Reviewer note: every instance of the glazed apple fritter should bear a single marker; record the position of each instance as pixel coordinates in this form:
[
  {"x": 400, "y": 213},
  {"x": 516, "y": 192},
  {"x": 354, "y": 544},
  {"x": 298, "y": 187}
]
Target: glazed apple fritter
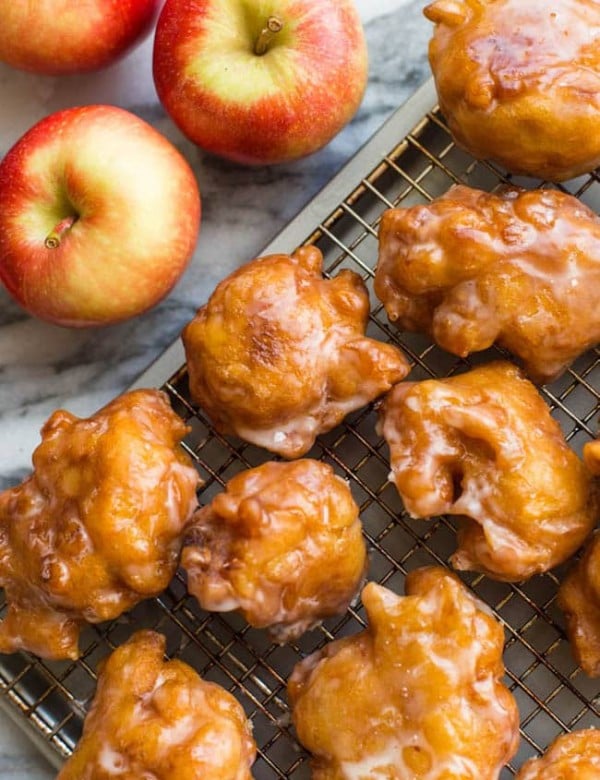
[
  {"x": 579, "y": 594},
  {"x": 484, "y": 447},
  {"x": 97, "y": 527},
  {"x": 574, "y": 756},
  {"x": 283, "y": 544},
  {"x": 591, "y": 456},
  {"x": 519, "y": 82},
  {"x": 417, "y": 694},
  {"x": 158, "y": 719},
  {"x": 518, "y": 268},
  {"x": 579, "y": 598},
  {"x": 278, "y": 355}
]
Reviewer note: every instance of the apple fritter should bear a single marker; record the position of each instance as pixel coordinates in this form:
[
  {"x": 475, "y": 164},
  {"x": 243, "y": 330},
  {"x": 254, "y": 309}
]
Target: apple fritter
[
  {"x": 484, "y": 447},
  {"x": 158, "y": 719},
  {"x": 591, "y": 456},
  {"x": 579, "y": 598},
  {"x": 519, "y": 82},
  {"x": 417, "y": 694},
  {"x": 283, "y": 544},
  {"x": 579, "y": 594},
  {"x": 278, "y": 355},
  {"x": 98, "y": 525},
  {"x": 574, "y": 756},
  {"x": 518, "y": 268}
]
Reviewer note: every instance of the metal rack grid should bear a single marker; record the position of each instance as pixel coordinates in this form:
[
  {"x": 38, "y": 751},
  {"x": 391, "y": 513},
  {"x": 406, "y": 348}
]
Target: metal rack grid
[{"x": 412, "y": 159}]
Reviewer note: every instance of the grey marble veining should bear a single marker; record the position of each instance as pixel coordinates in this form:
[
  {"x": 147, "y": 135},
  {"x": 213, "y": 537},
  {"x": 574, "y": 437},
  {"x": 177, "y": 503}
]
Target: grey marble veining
[{"x": 44, "y": 367}]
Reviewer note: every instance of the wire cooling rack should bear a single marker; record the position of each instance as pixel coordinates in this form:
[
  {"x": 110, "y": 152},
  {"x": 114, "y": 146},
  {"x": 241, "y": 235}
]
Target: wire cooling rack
[{"x": 410, "y": 160}]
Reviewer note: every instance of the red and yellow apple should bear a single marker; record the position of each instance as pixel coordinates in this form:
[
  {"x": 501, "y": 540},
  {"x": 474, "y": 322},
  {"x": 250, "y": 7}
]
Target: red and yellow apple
[
  {"x": 260, "y": 82},
  {"x": 57, "y": 37},
  {"x": 99, "y": 216}
]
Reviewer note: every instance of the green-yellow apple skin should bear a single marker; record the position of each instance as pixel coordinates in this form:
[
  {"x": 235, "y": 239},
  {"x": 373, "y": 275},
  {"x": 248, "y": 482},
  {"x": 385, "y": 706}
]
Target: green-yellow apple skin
[
  {"x": 264, "y": 108},
  {"x": 58, "y": 37},
  {"x": 99, "y": 216}
]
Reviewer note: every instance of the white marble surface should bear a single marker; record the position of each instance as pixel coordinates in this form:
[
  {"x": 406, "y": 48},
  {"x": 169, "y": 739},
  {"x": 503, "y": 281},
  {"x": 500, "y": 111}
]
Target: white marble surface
[{"x": 44, "y": 367}]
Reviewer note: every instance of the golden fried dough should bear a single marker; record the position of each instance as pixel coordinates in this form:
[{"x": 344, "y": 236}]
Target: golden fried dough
[
  {"x": 416, "y": 695},
  {"x": 579, "y": 598},
  {"x": 574, "y": 756},
  {"x": 97, "y": 527},
  {"x": 484, "y": 447},
  {"x": 519, "y": 81},
  {"x": 518, "y": 268},
  {"x": 283, "y": 544},
  {"x": 159, "y": 720},
  {"x": 278, "y": 355},
  {"x": 591, "y": 456}
]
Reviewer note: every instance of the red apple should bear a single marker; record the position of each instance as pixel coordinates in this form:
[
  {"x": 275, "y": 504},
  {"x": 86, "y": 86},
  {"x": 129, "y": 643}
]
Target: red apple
[
  {"x": 99, "y": 216},
  {"x": 71, "y": 36},
  {"x": 260, "y": 82}
]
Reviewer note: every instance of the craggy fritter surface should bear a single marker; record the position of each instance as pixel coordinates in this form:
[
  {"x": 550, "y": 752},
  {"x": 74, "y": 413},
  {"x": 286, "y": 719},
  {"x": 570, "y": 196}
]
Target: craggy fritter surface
[
  {"x": 574, "y": 756},
  {"x": 518, "y": 268},
  {"x": 417, "y": 694},
  {"x": 98, "y": 525},
  {"x": 159, "y": 720},
  {"x": 283, "y": 544},
  {"x": 278, "y": 355},
  {"x": 483, "y": 446},
  {"x": 519, "y": 81}
]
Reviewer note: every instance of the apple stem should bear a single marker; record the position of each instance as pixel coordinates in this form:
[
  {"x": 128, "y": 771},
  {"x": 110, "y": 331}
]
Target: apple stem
[
  {"x": 54, "y": 238},
  {"x": 269, "y": 31}
]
